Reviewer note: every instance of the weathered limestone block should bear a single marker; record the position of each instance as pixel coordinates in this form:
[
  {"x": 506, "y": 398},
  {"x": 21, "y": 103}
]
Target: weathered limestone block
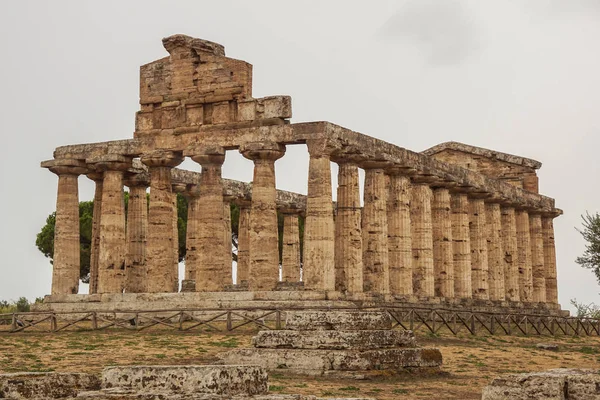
[
  {"x": 189, "y": 379},
  {"x": 479, "y": 255},
  {"x": 399, "y": 236},
  {"x": 461, "y": 245},
  {"x": 509, "y": 247},
  {"x": 263, "y": 272},
  {"x": 556, "y": 384},
  {"x": 550, "y": 259},
  {"x": 290, "y": 258},
  {"x": 97, "y": 177},
  {"x": 243, "y": 261},
  {"x": 348, "y": 237},
  {"x": 376, "y": 272},
  {"x": 318, "y": 271},
  {"x": 538, "y": 269},
  {"x": 137, "y": 231},
  {"x": 337, "y": 320},
  {"x": 422, "y": 239},
  {"x": 334, "y": 340},
  {"x": 493, "y": 218},
  {"x": 524, "y": 256},
  {"x": 159, "y": 245},
  {"x": 443, "y": 263},
  {"x": 46, "y": 385}
]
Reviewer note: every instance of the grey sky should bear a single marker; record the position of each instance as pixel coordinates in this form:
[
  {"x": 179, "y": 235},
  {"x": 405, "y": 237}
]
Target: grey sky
[{"x": 517, "y": 76}]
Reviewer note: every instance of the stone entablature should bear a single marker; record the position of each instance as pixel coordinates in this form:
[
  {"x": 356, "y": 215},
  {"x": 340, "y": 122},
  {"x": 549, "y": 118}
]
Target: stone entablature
[{"x": 429, "y": 228}]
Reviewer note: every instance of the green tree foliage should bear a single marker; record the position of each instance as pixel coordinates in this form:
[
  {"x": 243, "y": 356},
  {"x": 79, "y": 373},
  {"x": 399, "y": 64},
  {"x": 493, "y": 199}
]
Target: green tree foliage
[
  {"x": 591, "y": 233},
  {"x": 586, "y": 310}
]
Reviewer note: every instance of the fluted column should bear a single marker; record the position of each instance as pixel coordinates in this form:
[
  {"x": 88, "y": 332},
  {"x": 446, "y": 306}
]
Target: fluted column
[
  {"x": 538, "y": 270},
  {"x": 227, "y": 244},
  {"x": 97, "y": 177},
  {"x": 263, "y": 273},
  {"x": 479, "y": 255},
  {"x": 319, "y": 240},
  {"x": 66, "y": 264},
  {"x": 290, "y": 257},
  {"x": 243, "y": 255},
  {"x": 191, "y": 235},
  {"x": 550, "y": 258},
  {"x": 443, "y": 255},
  {"x": 399, "y": 235},
  {"x": 176, "y": 187},
  {"x": 524, "y": 256},
  {"x": 137, "y": 231},
  {"x": 422, "y": 238},
  {"x": 113, "y": 246},
  {"x": 493, "y": 218},
  {"x": 509, "y": 248},
  {"x": 376, "y": 269},
  {"x": 159, "y": 248},
  {"x": 461, "y": 245},
  {"x": 207, "y": 254}
]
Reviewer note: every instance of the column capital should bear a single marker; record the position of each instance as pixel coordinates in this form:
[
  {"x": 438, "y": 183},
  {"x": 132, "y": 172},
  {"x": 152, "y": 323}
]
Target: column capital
[
  {"x": 137, "y": 180},
  {"x": 262, "y": 150},
  {"x": 66, "y": 166},
  {"x": 162, "y": 158},
  {"x": 95, "y": 176},
  {"x": 318, "y": 148},
  {"x": 110, "y": 162},
  {"x": 178, "y": 187},
  {"x": 291, "y": 210},
  {"x": 400, "y": 170},
  {"x": 206, "y": 155},
  {"x": 554, "y": 213},
  {"x": 376, "y": 164}
]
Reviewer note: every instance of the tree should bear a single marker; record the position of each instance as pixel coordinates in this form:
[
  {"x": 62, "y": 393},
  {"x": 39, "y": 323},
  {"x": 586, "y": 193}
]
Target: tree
[{"x": 591, "y": 233}]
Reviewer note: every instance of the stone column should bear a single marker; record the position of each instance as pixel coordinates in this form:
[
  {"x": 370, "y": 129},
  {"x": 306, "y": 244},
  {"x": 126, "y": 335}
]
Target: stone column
[
  {"x": 493, "y": 218},
  {"x": 443, "y": 254},
  {"x": 550, "y": 258},
  {"x": 177, "y": 187},
  {"x": 461, "y": 245},
  {"x": 137, "y": 231},
  {"x": 192, "y": 194},
  {"x": 113, "y": 246},
  {"x": 243, "y": 261},
  {"x": 479, "y": 254},
  {"x": 263, "y": 273},
  {"x": 290, "y": 257},
  {"x": 227, "y": 244},
  {"x": 97, "y": 177},
  {"x": 422, "y": 238},
  {"x": 537, "y": 258},
  {"x": 399, "y": 235},
  {"x": 318, "y": 271},
  {"x": 66, "y": 264},
  {"x": 159, "y": 249},
  {"x": 207, "y": 255},
  {"x": 524, "y": 256},
  {"x": 348, "y": 238},
  {"x": 509, "y": 247},
  {"x": 376, "y": 268}
]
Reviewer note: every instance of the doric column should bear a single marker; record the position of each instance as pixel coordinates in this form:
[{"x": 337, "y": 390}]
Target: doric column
[
  {"x": 443, "y": 254},
  {"x": 243, "y": 255},
  {"x": 399, "y": 235},
  {"x": 538, "y": 270},
  {"x": 550, "y": 257},
  {"x": 264, "y": 237},
  {"x": 493, "y": 218},
  {"x": 113, "y": 246},
  {"x": 524, "y": 256},
  {"x": 227, "y": 244},
  {"x": 509, "y": 247},
  {"x": 290, "y": 257},
  {"x": 348, "y": 237},
  {"x": 376, "y": 269},
  {"x": 192, "y": 194},
  {"x": 176, "y": 187},
  {"x": 461, "y": 245},
  {"x": 319, "y": 240},
  {"x": 207, "y": 254},
  {"x": 66, "y": 265},
  {"x": 137, "y": 231},
  {"x": 479, "y": 255},
  {"x": 422, "y": 238},
  {"x": 97, "y": 177},
  {"x": 159, "y": 248}
]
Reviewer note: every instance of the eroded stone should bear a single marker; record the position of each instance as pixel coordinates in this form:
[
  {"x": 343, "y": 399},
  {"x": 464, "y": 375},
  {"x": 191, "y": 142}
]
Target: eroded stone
[{"x": 337, "y": 320}]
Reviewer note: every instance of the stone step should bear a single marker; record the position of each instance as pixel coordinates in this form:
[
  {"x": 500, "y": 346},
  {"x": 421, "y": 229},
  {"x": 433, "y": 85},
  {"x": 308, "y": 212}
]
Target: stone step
[
  {"x": 334, "y": 340},
  {"x": 317, "y": 362},
  {"x": 337, "y": 320},
  {"x": 129, "y": 395},
  {"x": 48, "y": 385},
  {"x": 208, "y": 379}
]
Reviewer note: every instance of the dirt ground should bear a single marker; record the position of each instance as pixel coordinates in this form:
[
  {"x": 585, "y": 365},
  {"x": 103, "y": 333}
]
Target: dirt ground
[{"x": 469, "y": 362}]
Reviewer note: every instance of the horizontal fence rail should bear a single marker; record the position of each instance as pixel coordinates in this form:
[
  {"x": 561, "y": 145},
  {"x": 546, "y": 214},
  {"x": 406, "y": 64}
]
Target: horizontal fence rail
[{"x": 439, "y": 321}]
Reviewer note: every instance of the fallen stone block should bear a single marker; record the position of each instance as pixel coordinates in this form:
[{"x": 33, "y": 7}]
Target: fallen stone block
[
  {"x": 334, "y": 340},
  {"x": 338, "y": 320},
  {"x": 547, "y": 346},
  {"x": 47, "y": 385}
]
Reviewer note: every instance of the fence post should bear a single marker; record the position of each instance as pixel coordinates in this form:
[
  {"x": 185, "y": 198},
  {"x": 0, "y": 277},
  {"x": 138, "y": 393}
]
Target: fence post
[
  {"x": 278, "y": 319},
  {"x": 94, "y": 321},
  {"x": 229, "y": 323},
  {"x": 14, "y": 322},
  {"x": 53, "y": 324}
]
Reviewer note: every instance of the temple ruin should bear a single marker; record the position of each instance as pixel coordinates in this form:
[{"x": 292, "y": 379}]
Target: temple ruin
[{"x": 455, "y": 225}]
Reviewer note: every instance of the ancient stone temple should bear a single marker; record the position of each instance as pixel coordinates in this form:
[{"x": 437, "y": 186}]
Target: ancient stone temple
[{"x": 455, "y": 225}]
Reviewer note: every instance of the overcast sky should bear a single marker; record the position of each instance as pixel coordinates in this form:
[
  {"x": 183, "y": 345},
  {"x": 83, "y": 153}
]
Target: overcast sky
[{"x": 522, "y": 77}]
